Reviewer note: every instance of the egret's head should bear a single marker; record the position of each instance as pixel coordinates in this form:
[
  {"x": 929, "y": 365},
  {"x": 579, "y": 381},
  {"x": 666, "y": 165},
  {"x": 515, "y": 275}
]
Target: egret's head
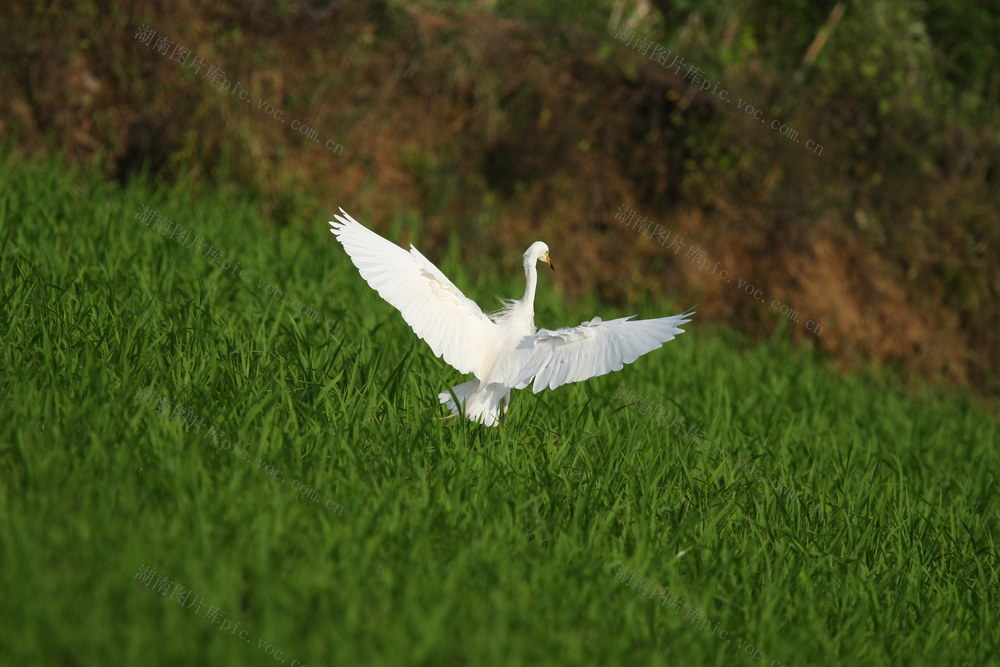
[{"x": 538, "y": 251}]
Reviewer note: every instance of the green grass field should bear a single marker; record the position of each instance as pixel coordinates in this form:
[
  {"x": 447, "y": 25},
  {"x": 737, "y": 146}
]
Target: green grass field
[{"x": 206, "y": 463}]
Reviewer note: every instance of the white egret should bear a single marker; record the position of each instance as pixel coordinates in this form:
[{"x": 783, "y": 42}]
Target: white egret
[{"x": 503, "y": 351}]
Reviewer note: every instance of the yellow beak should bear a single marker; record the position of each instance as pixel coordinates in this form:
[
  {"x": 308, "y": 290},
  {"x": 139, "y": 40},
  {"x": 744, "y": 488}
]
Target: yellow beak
[{"x": 548, "y": 260}]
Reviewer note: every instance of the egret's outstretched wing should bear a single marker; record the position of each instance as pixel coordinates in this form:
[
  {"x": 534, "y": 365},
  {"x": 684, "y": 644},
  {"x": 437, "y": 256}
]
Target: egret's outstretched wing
[
  {"x": 436, "y": 310},
  {"x": 555, "y": 358}
]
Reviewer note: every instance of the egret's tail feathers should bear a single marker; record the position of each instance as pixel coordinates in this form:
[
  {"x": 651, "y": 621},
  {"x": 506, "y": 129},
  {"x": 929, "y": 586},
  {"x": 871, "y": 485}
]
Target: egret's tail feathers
[
  {"x": 483, "y": 404},
  {"x": 463, "y": 392}
]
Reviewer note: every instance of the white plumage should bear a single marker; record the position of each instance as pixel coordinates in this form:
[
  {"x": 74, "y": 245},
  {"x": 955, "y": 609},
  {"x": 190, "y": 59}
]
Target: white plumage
[{"x": 503, "y": 351}]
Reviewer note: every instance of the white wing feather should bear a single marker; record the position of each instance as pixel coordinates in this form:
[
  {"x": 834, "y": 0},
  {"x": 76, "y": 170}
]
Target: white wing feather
[
  {"x": 437, "y": 311},
  {"x": 555, "y": 358}
]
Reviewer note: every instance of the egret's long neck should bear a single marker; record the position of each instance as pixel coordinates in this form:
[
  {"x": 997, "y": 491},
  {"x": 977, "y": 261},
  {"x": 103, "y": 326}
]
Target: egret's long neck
[{"x": 531, "y": 279}]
